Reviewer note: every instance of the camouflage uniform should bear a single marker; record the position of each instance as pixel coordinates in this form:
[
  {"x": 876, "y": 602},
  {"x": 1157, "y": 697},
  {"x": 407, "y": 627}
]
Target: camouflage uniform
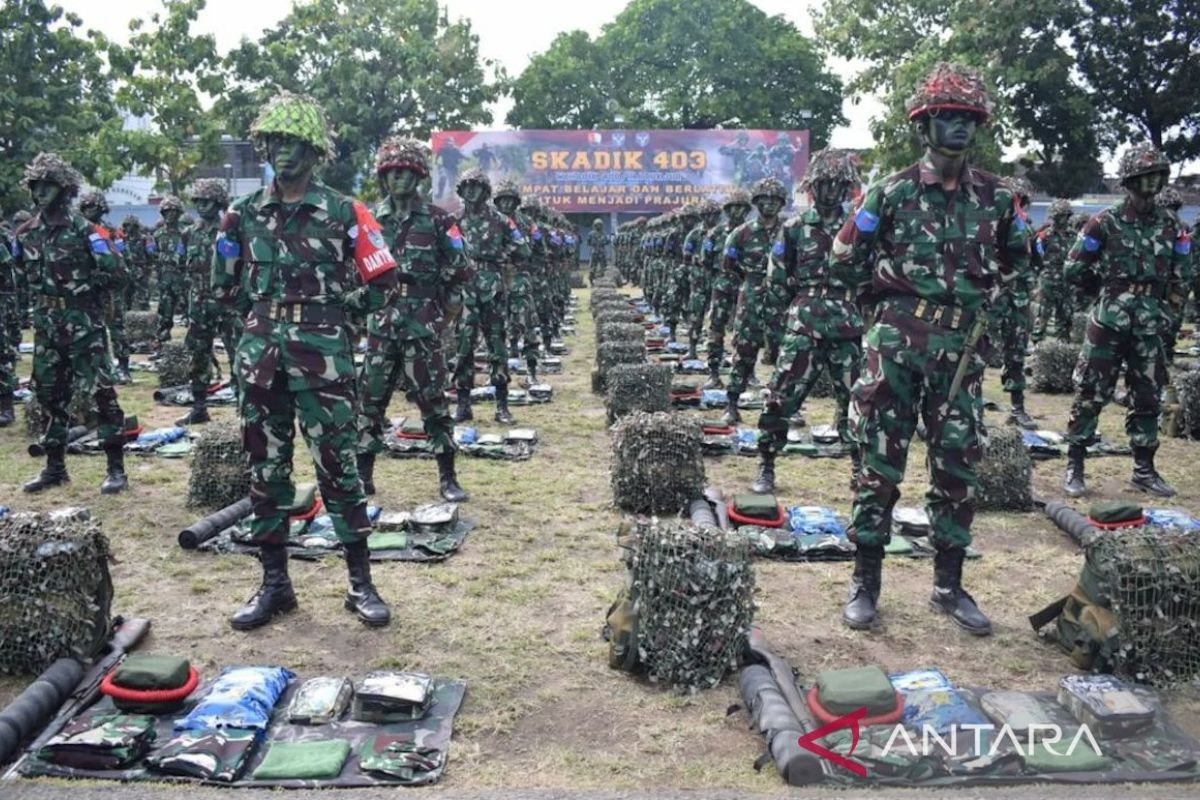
[
  {"x": 699, "y": 275},
  {"x": 22, "y": 317},
  {"x": 522, "y": 298},
  {"x": 1051, "y": 245},
  {"x": 724, "y": 286},
  {"x": 1141, "y": 263},
  {"x": 1011, "y": 315},
  {"x": 170, "y": 256},
  {"x": 678, "y": 269},
  {"x": 139, "y": 264},
  {"x": 1172, "y": 201},
  {"x": 597, "y": 242},
  {"x": 70, "y": 264},
  {"x": 8, "y": 346},
  {"x": 93, "y": 206}
]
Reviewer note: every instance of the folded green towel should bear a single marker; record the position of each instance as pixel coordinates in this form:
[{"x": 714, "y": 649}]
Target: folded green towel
[
  {"x": 150, "y": 671},
  {"x": 303, "y": 760},
  {"x": 1083, "y": 759},
  {"x": 387, "y": 540},
  {"x": 842, "y": 691},
  {"x": 1115, "y": 511}
]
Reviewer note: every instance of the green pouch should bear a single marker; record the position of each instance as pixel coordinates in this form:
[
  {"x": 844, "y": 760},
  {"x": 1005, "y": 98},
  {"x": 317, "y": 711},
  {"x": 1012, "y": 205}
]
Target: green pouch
[
  {"x": 762, "y": 506},
  {"x": 1083, "y": 758},
  {"x": 399, "y": 756},
  {"x": 387, "y": 540},
  {"x": 149, "y": 671},
  {"x": 412, "y": 426},
  {"x": 842, "y": 691},
  {"x": 174, "y": 450},
  {"x": 303, "y": 760},
  {"x": 1115, "y": 511}
]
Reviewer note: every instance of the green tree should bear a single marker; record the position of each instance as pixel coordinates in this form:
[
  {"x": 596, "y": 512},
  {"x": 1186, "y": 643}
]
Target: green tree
[
  {"x": 378, "y": 67},
  {"x": 682, "y": 64},
  {"x": 53, "y": 96}
]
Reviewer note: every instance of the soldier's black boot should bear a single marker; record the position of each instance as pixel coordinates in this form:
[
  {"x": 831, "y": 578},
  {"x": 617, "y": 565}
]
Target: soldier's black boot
[
  {"x": 533, "y": 376},
  {"x": 691, "y": 353},
  {"x": 859, "y": 611},
  {"x": 451, "y": 491},
  {"x": 123, "y": 376},
  {"x": 714, "y": 378},
  {"x": 463, "y": 412},
  {"x": 7, "y": 415},
  {"x": 54, "y": 473},
  {"x": 765, "y": 482},
  {"x": 198, "y": 415},
  {"x": 502, "y": 413},
  {"x": 950, "y": 598},
  {"x": 732, "y": 416},
  {"x": 1073, "y": 484},
  {"x": 114, "y": 479},
  {"x": 1145, "y": 476},
  {"x": 366, "y": 471},
  {"x": 362, "y": 598},
  {"x": 671, "y": 336},
  {"x": 274, "y": 595},
  {"x": 1018, "y": 416}
]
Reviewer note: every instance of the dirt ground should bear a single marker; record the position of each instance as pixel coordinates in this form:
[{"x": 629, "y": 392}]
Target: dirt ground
[{"x": 518, "y": 612}]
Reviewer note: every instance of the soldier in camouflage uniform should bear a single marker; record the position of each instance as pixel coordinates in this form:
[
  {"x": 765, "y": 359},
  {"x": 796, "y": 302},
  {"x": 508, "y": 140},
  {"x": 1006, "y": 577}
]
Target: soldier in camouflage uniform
[
  {"x": 93, "y": 206},
  {"x": 522, "y": 301},
  {"x": 8, "y": 347},
  {"x": 494, "y": 245},
  {"x": 699, "y": 275},
  {"x": 24, "y": 300},
  {"x": 70, "y": 264},
  {"x": 170, "y": 256},
  {"x": 824, "y": 326},
  {"x": 724, "y": 284},
  {"x": 404, "y": 339},
  {"x": 296, "y": 257},
  {"x": 933, "y": 242},
  {"x": 1051, "y": 245},
  {"x": 1138, "y": 256},
  {"x": 747, "y": 250},
  {"x": 1172, "y": 201},
  {"x": 678, "y": 269},
  {"x": 1012, "y": 314},
  {"x": 138, "y": 262},
  {"x": 597, "y": 242}
]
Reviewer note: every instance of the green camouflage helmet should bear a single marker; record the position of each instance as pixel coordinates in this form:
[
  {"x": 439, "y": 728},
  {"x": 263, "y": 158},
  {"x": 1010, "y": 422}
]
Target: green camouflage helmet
[
  {"x": 211, "y": 189},
  {"x": 950, "y": 87},
  {"x": 94, "y": 200},
  {"x": 1142, "y": 159},
  {"x": 597, "y": 223},
  {"x": 769, "y": 187},
  {"x": 294, "y": 115},
  {"x": 1020, "y": 187},
  {"x": 507, "y": 188},
  {"x": 738, "y": 197},
  {"x": 170, "y": 203},
  {"x": 399, "y": 152},
  {"x": 1061, "y": 207},
  {"x": 51, "y": 167},
  {"x": 830, "y": 165},
  {"x": 1079, "y": 220},
  {"x": 131, "y": 222},
  {"x": 1170, "y": 198},
  {"x": 709, "y": 207},
  {"x": 474, "y": 176}
]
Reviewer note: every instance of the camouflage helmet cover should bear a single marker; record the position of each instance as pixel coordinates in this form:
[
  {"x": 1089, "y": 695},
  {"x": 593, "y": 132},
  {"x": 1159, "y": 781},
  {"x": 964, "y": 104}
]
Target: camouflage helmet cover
[
  {"x": 597, "y": 223},
  {"x": 474, "y": 176},
  {"x": 399, "y": 152},
  {"x": 94, "y": 200},
  {"x": 294, "y": 115},
  {"x": 52, "y": 167},
  {"x": 950, "y": 87},
  {"x": 1170, "y": 198},
  {"x": 709, "y": 207},
  {"x": 131, "y": 221},
  {"x": 508, "y": 188},
  {"x": 211, "y": 189},
  {"x": 170, "y": 203},
  {"x": 830, "y": 165},
  {"x": 1020, "y": 187},
  {"x": 738, "y": 197},
  {"x": 1142, "y": 159},
  {"x": 769, "y": 187},
  {"x": 1061, "y": 207}
]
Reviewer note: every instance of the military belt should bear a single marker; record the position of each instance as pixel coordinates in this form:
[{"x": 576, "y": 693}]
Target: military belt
[
  {"x": 63, "y": 302},
  {"x": 822, "y": 292},
  {"x": 409, "y": 290},
  {"x": 300, "y": 313},
  {"x": 1151, "y": 289},
  {"x": 956, "y": 318}
]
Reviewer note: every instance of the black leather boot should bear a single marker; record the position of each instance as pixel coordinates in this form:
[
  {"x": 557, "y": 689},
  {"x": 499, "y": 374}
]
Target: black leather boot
[
  {"x": 732, "y": 416},
  {"x": 53, "y": 474},
  {"x": 502, "y": 412},
  {"x": 274, "y": 595},
  {"x": 671, "y": 334},
  {"x": 448, "y": 479},
  {"x": 198, "y": 415},
  {"x": 532, "y": 366},
  {"x": 362, "y": 598},
  {"x": 366, "y": 471},
  {"x": 859, "y": 611},
  {"x": 1145, "y": 476},
  {"x": 1018, "y": 416},
  {"x": 765, "y": 482},
  {"x": 950, "y": 598},
  {"x": 1073, "y": 484},
  {"x": 114, "y": 480},
  {"x": 7, "y": 415},
  {"x": 463, "y": 412},
  {"x": 123, "y": 376},
  {"x": 714, "y": 378}
]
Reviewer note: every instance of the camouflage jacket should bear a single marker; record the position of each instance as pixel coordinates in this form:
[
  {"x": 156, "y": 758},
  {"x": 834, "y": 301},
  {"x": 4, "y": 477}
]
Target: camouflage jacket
[
  {"x": 431, "y": 269},
  {"x": 170, "y": 254},
  {"x": 748, "y": 249},
  {"x": 800, "y": 263},
  {"x": 693, "y": 244},
  {"x": 198, "y": 265},
  {"x": 494, "y": 244},
  {"x": 537, "y": 244},
  {"x": 8, "y": 275},
  {"x": 1121, "y": 249},
  {"x": 596, "y": 241},
  {"x": 299, "y": 255},
  {"x": 1051, "y": 247}
]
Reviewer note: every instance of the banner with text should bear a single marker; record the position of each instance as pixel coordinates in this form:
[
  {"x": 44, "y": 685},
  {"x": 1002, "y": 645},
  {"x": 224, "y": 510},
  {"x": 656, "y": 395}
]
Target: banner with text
[{"x": 629, "y": 170}]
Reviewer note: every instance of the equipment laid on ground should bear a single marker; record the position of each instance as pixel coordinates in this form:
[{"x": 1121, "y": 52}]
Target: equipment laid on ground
[
  {"x": 1005, "y": 472},
  {"x": 220, "y": 474},
  {"x": 657, "y": 466},
  {"x": 637, "y": 387},
  {"x": 1053, "y": 364}
]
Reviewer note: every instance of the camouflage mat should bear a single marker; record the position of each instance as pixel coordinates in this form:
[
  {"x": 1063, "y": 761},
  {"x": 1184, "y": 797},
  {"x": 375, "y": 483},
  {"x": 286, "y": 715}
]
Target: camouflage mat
[
  {"x": 1043, "y": 444},
  {"x": 792, "y": 545},
  {"x": 428, "y": 740},
  {"x": 182, "y": 396},
  {"x": 712, "y": 399},
  {"x": 821, "y": 441},
  {"x": 538, "y": 394},
  {"x": 499, "y": 446}
]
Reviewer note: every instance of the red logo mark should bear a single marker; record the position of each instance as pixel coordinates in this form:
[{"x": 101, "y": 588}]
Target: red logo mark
[{"x": 809, "y": 741}]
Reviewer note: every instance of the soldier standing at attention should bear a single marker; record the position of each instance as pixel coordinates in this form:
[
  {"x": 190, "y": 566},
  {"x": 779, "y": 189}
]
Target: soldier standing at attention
[
  {"x": 933, "y": 242},
  {"x": 597, "y": 243},
  {"x": 699, "y": 275},
  {"x": 287, "y": 256},
  {"x": 170, "y": 253},
  {"x": 8, "y": 345},
  {"x": 1051, "y": 245},
  {"x": 1138, "y": 254},
  {"x": 93, "y": 206},
  {"x": 522, "y": 300},
  {"x": 724, "y": 284},
  {"x": 1011, "y": 311},
  {"x": 70, "y": 264}
]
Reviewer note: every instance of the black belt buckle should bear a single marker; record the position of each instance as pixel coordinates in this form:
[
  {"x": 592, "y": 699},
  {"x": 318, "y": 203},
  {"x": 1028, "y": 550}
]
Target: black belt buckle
[{"x": 282, "y": 312}]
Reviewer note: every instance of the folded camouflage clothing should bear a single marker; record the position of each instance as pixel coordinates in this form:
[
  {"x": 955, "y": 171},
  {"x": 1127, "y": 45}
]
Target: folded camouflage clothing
[
  {"x": 215, "y": 754},
  {"x": 398, "y": 755},
  {"x": 303, "y": 760},
  {"x": 392, "y": 697},
  {"x": 320, "y": 700},
  {"x": 100, "y": 739}
]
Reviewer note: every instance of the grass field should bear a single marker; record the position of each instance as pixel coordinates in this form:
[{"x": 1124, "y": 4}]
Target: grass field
[{"x": 518, "y": 612}]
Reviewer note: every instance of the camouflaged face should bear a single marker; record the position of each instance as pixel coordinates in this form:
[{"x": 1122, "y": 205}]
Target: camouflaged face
[
  {"x": 830, "y": 165},
  {"x": 738, "y": 197},
  {"x": 52, "y": 167},
  {"x": 1060, "y": 207},
  {"x": 769, "y": 187},
  {"x": 474, "y": 176},
  {"x": 171, "y": 203},
  {"x": 211, "y": 189},
  {"x": 294, "y": 115},
  {"x": 1142, "y": 159},
  {"x": 94, "y": 200},
  {"x": 508, "y": 188},
  {"x": 402, "y": 151},
  {"x": 950, "y": 87},
  {"x": 1170, "y": 198}
]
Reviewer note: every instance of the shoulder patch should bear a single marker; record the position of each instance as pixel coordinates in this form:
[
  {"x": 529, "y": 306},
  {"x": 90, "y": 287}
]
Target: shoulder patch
[
  {"x": 777, "y": 249},
  {"x": 1091, "y": 244},
  {"x": 99, "y": 243},
  {"x": 865, "y": 221}
]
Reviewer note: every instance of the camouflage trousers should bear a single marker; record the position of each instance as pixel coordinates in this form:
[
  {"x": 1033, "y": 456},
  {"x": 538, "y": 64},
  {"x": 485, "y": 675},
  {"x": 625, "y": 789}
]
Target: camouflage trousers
[
  {"x": 886, "y": 402},
  {"x": 8, "y": 344},
  {"x": 523, "y": 317},
  {"x": 678, "y": 295},
  {"x": 327, "y": 421},
  {"x": 486, "y": 317},
  {"x": 417, "y": 367},
  {"x": 207, "y": 320},
  {"x": 1011, "y": 313},
  {"x": 749, "y": 332},
  {"x": 70, "y": 353},
  {"x": 1053, "y": 308},
  {"x": 11, "y": 315},
  {"x": 172, "y": 300},
  {"x": 1096, "y": 373},
  {"x": 114, "y": 318},
  {"x": 546, "y": 305},
  {"x": 724, "y": 300},
  {"x": 596, "y": 265},
  {"x": 698, "y": 303}
]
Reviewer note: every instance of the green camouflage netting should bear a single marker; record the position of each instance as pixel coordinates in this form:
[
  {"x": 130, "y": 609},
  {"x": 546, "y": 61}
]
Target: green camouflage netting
[
  {"x": 693, "y": 589},
  {"x": 82, "y": 411},
  {"x": 609, "y": 355},
  {"x": 611, "y": 315},
  {"x": 600, "y": 295},
  {"x": 620, "y": 332},
  {"x": 1052, "y": 364},
  {"x": 1005, "y": 473},
  {"x": 1187, "y": 392},
  {"x": 637, "y": 387},
  {"x": 55, "y": 590},
  {"x": 141, "y": 327},
  {"x": 657, "y": 464},
  {"x": 174, "y": 365},
  {"x": 619, "y": 303},
  {"x": 220, "y": 475}
]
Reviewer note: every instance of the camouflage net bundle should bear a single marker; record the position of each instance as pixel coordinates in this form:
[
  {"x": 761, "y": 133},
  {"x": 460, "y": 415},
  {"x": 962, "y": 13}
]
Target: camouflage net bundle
[
  {"x": 1186, "y": 384},
  {"x": 174, "y": 365},
  {"x": 141, "y": 327},
  {"x": 609, "y": 316},
  {"x": 1053, "y": 364},
  {"x": 575, "y": 279},
  {"x": 657, "y": 464},
  {"x": 603, "y": 295},
  {"x": 615, "y": 304},
  {"x": 220, "y": 475},
  {"x": 611, "y": 354},
  {"x": 694, "y": 593},
  {"x": 1005, "y": 473},
  {"x": 621, "y": 332},
  {"x": 55, "y": 590},
  {"x": 82, "y": 411},
  {"x": 1151, "y": 579},
  {"x": 637, "y": 387}
]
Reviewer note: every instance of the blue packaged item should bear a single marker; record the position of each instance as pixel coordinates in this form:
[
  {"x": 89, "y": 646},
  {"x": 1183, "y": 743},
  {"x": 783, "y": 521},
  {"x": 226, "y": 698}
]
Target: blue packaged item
[
  {"x": 3, "y": 510},
  {"x": 162, "y": 435},
  {"x": 1171, "y": 518},
  {"x": 1031, "y": 439},
  {"x": 373, "y": 513},
  {"x": 746, "y": 437},
  {"x": 815, "y": 520},
  {"x": 468, "y": 435},
  {"x": 241, "y": 697},
  {"x": 664, "y": 330},
  {"x": 713, "y": 398},
  {"x": 693, "y": 363},
  {"x": 930, "y": 700},
  {"x": 676, "y": 347},
  {"x": 514, "y": 363}
]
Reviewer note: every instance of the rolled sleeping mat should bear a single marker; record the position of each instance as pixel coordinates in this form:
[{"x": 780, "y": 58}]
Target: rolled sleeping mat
[
  {"x": 716, "y": 497},
  {"x": 74, "y": 434},
  {"x": 206, "y": 528},
  {"x": 701, "y": 512},
  {"x": 32, "y": 709},
  {"x": 1071, "y": 522},
  {"x": 771, "y": 716},
  {"x": 166, "y": 392}
]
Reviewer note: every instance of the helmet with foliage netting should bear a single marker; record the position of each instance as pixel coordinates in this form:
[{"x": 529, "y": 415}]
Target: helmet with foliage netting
[
  {"x": 738, "y": 197},
  {"x": 170, "y": 203},
  {"x": 1020, "y": 187},
  {"x": 402, "y": 152},
  {"x": 508, "y": 188},
  {"x": 1061, "y": 207},
  {"x": 53, "y": 168},
  {"x": 950, "y": 87},
  {"x": 769, "y": 187},
  {"x": 1170, "y": 198},
  {"x": 211, "y": 189},
  {"x": 1142, "y": 159},
  {"x": 94, "y": 201},
  {"x": 293, "y": 115},
  {"x": 131, "y": 222},
  {"x": 830, "y": 165},
  {"x": 474, "y": 176}
]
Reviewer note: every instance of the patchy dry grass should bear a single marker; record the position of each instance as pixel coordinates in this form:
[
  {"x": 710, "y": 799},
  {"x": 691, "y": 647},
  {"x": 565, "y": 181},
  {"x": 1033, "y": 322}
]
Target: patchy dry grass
[{"x": 518, "y": 612}]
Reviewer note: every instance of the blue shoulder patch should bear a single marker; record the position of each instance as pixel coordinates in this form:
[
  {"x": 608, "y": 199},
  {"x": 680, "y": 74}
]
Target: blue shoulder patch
[
  {"x": 14, "y": 247},
  {"x": 151, "y": 246},
  {"x": 708, "y": 245},
  {"x": 1019, "y": 222},
  {"x": 689, "y": 246},
  {"x": 1037, "y": 245},
  {"x": 179, "y": 248},
  {"x": 228, "y": 248},
  {"x": 777, "y": 249},
  {"x": 865, "y": 221},
  {"x": 121, "y": 246},
  {"x": 1091, "y": 244},
  {"x": 517, "y": 236},
  {"x": 99, "y": 244},
  {"x": 732, "y": 252},
  {"x": 1183, "y": 245}
]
